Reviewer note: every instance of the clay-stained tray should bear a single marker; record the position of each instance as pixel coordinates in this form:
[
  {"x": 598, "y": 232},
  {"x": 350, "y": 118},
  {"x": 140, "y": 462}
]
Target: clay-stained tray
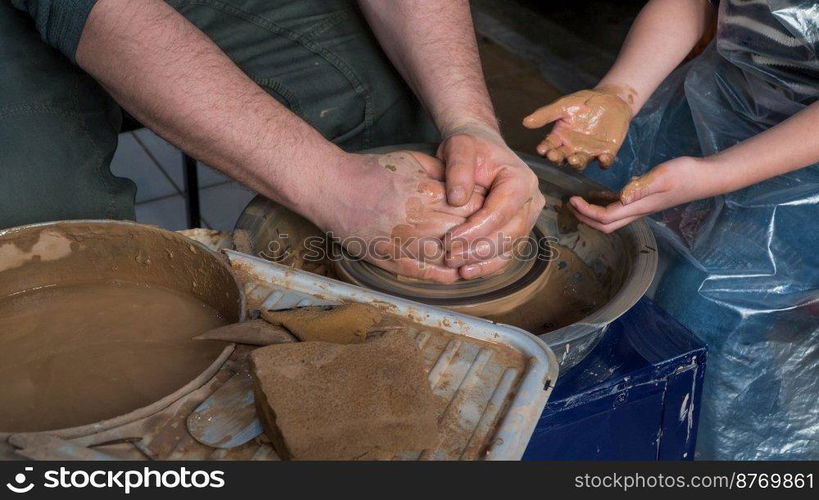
[{"x": 495, "y": 379}]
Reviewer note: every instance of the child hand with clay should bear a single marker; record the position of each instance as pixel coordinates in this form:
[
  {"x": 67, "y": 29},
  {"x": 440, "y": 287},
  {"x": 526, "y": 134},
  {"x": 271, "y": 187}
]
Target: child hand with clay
[
  {"x": 588, "y": 125},
  {"x": 592, "y": 124},
  {"x": 736, "y": 130}
]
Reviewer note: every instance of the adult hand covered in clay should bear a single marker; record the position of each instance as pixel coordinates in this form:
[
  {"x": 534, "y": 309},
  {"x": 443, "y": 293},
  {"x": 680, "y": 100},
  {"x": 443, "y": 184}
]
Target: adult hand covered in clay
[
  {"x": 589, "y": 124},
  {"x": 391, "y": 210},
  {"x": 476, "y": 155}
]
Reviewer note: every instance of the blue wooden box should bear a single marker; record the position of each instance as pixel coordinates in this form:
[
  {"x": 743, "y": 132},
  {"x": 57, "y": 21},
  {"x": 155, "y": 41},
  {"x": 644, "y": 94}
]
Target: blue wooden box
[{"x": 635, "y": 397}]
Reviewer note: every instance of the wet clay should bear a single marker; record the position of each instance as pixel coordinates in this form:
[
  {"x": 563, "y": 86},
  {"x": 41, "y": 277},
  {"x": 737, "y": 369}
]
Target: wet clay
[
  {"x": 49, "y": 245},
  {"x": 344, "y": 324},
  {"x": 571, "y": 292},
  {"x": 75, "y": 355},
  {"x": 636, "y": 186},
  {"x": 257, "y": 332},
  {"x": 211, "y": 238},
  {"x": 594, "y": 124},
  {"x": 321, "y": 401},
  {"x": 600, "y": 119},
  {"x": 289, "y": 240}
]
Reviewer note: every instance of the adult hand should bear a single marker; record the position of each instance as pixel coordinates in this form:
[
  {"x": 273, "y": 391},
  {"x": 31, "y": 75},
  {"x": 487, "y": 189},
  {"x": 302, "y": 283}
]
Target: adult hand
[
  {"x": 476, "y": 155},
  {"x": 391, "y": 210},
  {"x": 589, "y": 124},
  {"x": 669, "y": 184}
]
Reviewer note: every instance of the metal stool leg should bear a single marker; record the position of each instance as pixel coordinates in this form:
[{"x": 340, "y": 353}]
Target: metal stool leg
[{"x": 191, "y": 191}]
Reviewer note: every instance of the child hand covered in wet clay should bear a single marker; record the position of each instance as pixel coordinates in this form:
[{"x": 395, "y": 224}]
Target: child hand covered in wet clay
[
  {"x": 670, "y": 184},
  {"x": 392, "y": 211},
  {"x": 589, "y": 124},
  {"x": 654, "y": 47},
  {"x": 781, "y": 149}
]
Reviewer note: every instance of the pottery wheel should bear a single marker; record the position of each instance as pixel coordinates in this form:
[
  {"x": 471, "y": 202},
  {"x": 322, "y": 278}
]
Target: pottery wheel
[{"x": 494, "y": 294}]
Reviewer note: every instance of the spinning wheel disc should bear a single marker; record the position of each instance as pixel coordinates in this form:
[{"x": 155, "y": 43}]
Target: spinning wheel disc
[{"x": 495, "y": 294}]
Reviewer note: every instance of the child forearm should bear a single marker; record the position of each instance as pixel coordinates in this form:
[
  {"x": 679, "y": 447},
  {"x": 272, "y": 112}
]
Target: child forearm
[
  {"x": 592, "y": 124},
  {"x": 789, "y": 146},
  {"x": 664, "y": 33}
]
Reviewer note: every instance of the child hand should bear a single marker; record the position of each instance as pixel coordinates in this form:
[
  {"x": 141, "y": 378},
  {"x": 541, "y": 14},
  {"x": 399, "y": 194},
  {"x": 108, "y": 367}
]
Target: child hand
[
  {"x": 590, "y": 124},
  {"x": 667, "y": 185}
]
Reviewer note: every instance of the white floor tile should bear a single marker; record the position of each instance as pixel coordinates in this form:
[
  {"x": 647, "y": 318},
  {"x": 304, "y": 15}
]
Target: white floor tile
[
  {"x": 167, "y": 212},
  {"x": 170, "y": 159},
  {"x": 210, "y": 176},
  {"x": 221, "y": 205},
  {"x": 131, "y": 161}
]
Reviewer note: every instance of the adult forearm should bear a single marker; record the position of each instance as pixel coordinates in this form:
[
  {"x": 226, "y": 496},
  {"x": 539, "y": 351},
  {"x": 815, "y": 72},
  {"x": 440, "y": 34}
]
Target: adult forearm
[
  {"x": 432, "y": 44},
  {"x": 789, "y": 146},
  {"x": 176, "y": 81},
  {"x": 662, "y": 36}
]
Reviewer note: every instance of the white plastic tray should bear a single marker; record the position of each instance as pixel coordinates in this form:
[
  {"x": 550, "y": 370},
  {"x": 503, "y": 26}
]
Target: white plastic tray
[{"x": 493, "y": 399}]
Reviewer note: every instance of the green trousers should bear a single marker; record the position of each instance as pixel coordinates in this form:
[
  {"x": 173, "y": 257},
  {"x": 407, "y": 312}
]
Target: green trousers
[{"x": 58, "y": 127}]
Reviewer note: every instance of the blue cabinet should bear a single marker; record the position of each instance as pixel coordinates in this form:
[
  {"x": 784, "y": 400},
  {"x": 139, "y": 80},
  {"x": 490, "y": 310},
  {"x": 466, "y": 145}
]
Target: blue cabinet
[{"x": 635, "y": 397}]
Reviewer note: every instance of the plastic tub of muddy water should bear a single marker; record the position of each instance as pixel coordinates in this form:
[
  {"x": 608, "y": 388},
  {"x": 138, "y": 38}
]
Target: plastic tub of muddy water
[{"x": 97, "y": 320}]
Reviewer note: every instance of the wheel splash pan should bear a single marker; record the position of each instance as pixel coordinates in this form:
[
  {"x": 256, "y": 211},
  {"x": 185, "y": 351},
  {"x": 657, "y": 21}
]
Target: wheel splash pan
[{"x": 623, "y": 263}]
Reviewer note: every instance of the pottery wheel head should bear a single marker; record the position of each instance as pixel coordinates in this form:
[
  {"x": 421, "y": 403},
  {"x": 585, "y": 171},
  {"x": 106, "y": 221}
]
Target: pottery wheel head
[{"x": 523, "y": 276}]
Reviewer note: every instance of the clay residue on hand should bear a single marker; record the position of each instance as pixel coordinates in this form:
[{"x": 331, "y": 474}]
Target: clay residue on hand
[
  {"x": 414, "y": 210},
  {"x": 589, "y": 124},
  {"x": 600, "y": 123},
  {"x": 50, "y": 246},
  {"x": 321, "y": 401},
  {"x": 636, "y": 187},
  {"x": 390, "y": 160},
  {"x": 624, "y": 92},
  {"x": 343, "y": 324}
]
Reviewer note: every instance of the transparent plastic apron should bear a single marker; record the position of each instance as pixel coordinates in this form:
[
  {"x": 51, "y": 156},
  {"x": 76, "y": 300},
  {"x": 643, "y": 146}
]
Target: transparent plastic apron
[{"x": 742, "y": 270}]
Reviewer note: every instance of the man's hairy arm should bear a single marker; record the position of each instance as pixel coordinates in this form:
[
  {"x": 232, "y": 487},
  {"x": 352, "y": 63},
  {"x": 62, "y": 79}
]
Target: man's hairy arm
[
  {"x": 176, "y": 81},
  {"x": 432, "y": 43}
]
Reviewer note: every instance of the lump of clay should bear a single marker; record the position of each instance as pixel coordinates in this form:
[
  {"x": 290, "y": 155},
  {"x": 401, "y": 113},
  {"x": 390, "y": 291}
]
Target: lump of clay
[
  {"x": 257, "y": 332},
  {"x": 344, "y": 324},
  {"x": 320, "y": 401}
]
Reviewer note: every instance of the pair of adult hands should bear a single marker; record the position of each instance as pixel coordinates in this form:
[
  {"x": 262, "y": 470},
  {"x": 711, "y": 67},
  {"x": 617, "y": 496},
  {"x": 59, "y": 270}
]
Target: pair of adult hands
[{"x": 440, "y": 218}]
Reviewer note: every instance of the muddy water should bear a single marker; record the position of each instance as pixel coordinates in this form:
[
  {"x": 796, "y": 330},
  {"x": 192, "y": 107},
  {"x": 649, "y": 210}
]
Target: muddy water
[
  {"x": 80, "y": 354},
  {"x": 572, "y": 289}
]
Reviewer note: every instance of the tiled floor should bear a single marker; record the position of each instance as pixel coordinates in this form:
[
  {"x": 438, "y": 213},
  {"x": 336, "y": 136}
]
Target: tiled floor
[{"x": 156, "y": 167}]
